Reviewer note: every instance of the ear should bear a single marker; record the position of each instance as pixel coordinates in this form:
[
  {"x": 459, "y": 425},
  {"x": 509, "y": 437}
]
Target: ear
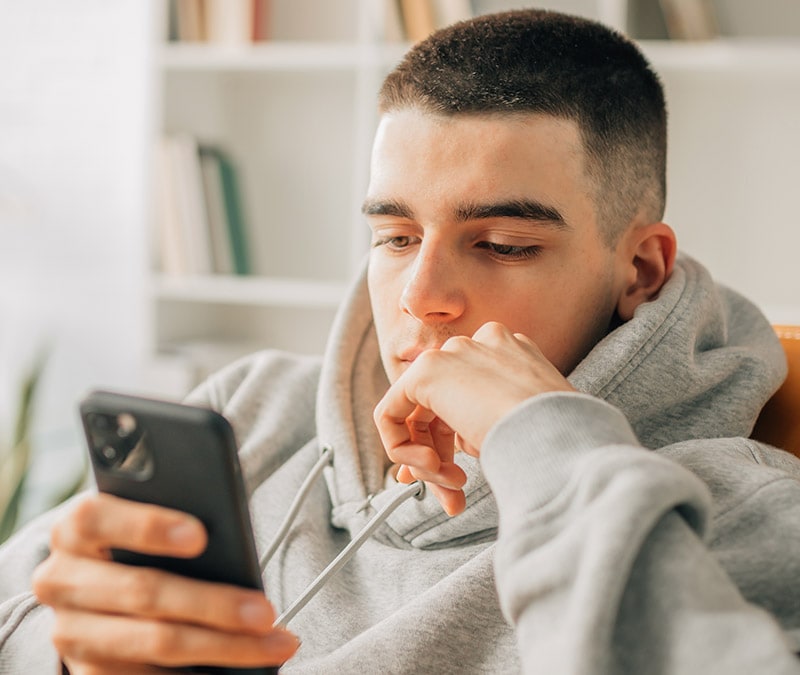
[{"x": 649, "y": 256}]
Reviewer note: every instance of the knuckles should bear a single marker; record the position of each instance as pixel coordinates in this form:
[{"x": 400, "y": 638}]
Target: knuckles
[
  {"x": 43, "y": 583},
  {"x": 79, "y": 524},
  {"x": 66, "y": 641},
  {"x": 140, "y": 587},
  {"x": 162, "y": 642}
]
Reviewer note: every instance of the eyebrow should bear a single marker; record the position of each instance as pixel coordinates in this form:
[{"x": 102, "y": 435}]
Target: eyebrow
[
  {"x": 521, "y": 209},
  {"x": 386, "y": 207}
]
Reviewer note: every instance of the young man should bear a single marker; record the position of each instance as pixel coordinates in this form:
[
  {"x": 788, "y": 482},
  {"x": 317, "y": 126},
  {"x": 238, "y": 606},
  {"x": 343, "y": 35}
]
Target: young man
[{"x": 525, "y": 342}]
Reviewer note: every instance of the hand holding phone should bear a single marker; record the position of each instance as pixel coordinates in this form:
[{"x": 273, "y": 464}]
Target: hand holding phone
[
  {"x": 155, "y": 454},
  {"x": 182, "y": 457}
]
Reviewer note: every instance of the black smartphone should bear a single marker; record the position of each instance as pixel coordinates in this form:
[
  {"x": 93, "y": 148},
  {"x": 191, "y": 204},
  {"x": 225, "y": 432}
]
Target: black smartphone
[{"x": 182, "y": 457}]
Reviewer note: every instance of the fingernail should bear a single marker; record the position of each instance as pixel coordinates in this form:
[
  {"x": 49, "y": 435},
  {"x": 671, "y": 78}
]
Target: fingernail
[
  {"x": 183, "y": 534},
  {"x": 256, "y": 613},
  {"x": 283, "y": 640}
]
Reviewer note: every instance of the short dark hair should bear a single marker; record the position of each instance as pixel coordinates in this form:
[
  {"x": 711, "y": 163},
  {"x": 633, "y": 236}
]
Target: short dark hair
[{"x": 539, "y": 61}]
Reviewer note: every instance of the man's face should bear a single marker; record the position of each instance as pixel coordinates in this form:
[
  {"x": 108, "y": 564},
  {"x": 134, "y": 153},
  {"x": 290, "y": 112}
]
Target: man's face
[{"x": 485, "y": 218}]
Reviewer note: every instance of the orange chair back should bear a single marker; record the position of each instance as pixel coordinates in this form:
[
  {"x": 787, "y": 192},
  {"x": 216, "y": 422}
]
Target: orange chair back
[{"x": 779, "y": 421}]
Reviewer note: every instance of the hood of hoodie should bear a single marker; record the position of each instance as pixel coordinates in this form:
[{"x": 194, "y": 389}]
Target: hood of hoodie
[{"x": 697, "y": 362}]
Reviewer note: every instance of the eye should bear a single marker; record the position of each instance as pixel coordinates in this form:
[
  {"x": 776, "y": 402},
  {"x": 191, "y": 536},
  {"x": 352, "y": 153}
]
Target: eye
[
  {"x": 394, "y": 243},
  {"x": 508, "y": 251}
]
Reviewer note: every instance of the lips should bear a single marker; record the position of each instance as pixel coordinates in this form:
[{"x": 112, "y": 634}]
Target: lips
[{"x": 410, "y": 355}]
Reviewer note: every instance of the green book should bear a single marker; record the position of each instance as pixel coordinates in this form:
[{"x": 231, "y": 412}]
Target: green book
[{"x": 232, "y": 207}]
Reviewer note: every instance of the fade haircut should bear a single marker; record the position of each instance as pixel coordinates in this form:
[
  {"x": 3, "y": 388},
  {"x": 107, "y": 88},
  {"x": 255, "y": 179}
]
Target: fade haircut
[{"x": 539, "y": 61}]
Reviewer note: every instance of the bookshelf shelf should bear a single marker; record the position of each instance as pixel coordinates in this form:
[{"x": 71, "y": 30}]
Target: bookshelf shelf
[
  {"x": 725, "y": 55},
  {"x": 273, "y": 56},
  {"x": 256, "y": 291}
]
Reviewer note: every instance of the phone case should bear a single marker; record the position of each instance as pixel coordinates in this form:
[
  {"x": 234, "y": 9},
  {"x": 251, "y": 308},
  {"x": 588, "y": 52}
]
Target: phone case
[{"x": 182, "y": 457}]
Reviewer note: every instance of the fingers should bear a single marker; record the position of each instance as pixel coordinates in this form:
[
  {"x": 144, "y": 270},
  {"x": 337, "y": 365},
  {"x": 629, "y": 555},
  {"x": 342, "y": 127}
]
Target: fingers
[
  {"x": 428, "y": 446},
  {"x": 112, "y": 668},
  {"x": 112, "y": 618},
  {"x": 443, "y": 440},
  {"x": 66, "y": 582},
  {"x": 99, "y": 522},
  {"x": 87, "y": 638},
  {"x": 428, "y": 456},
  {"x": 453, "y": 396},
  {"x": 450, "y": 475},
  {"x": 452, "y": 499}
]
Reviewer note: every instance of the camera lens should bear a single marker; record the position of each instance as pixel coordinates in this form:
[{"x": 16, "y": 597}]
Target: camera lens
[{"x": 101, "y": 422}]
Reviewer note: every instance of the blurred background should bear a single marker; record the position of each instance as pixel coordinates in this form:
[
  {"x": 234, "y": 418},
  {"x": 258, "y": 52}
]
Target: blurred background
[{"x": 180, "y": 181}]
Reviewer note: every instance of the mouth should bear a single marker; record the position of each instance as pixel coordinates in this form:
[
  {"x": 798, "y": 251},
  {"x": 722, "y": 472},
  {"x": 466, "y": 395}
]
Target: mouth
[{"x": 408, "y": 356}]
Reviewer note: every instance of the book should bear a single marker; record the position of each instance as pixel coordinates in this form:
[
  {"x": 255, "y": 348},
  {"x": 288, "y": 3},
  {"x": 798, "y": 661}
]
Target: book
[
  {"x": 393, "y": 30},
  {"x": 227, "y": 227},
  {"x": 190, "y": 20},
  {"x": 201, "y": 226},
  {"x": 172, "y": 254},
  {"x": 419, "y": 19},
  {"x": 221, "y": 248},
  {"x": 229, "y": 22},
  {"x": 221, "y": 22},
  {"x": 262, "y": 20},
  {"x": 189, "y": 194},
  {"x": 237, "y": 230},
  {"x": 447, "y": 12},
  {"x": 690, "y": 19}
]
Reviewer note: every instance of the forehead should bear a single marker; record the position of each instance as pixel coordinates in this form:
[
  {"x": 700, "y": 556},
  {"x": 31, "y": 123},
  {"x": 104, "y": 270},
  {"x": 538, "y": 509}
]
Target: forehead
[
  {"x": 421, "y": 156},
  {"x": 498, "y": 132}
]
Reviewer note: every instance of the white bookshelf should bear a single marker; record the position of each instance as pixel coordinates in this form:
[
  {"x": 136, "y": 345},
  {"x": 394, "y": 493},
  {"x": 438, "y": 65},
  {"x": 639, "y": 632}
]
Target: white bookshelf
[{"x": 297, "y": 115}]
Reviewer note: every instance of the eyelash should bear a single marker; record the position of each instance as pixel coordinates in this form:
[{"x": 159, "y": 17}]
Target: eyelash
[
  {"x": 501, "y": 251},
  {"x": 511, "y": 252},
  {"x": 391, "y": 242}
]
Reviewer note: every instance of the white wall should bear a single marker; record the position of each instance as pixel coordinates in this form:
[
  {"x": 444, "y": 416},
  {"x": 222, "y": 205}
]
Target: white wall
[
  {"x": 73, "y": 130},
  {"x": 733, "y": 171}
]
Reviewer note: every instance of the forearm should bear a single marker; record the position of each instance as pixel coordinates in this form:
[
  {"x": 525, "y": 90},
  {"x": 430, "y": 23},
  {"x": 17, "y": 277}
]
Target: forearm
[{"x": 600, "y": 561}]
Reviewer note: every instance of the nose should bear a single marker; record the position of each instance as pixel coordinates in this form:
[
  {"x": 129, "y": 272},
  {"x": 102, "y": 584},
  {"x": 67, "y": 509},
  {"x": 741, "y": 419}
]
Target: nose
[{"x": 434, "y": 291}]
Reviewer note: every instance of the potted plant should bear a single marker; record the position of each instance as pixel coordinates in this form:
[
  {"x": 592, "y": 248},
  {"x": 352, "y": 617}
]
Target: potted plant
[{"x": 15, "y": 459}]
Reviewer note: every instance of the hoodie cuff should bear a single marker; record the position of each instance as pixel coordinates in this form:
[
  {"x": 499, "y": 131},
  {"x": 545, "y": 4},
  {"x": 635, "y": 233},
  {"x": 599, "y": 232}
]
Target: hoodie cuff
[{"x": 529, "y": 455}]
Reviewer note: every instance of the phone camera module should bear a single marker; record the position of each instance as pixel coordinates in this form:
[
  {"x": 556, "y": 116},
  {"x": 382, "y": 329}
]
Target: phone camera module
[
  {"x": 126, "y": 425},
  {"x": 119, "y": 444},
  {"x": 109, "y": 452}
]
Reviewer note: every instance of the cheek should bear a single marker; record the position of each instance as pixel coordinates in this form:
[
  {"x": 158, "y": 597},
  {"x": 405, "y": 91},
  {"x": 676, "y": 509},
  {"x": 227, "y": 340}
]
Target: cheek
[
  {"x": 383, "y": 296},
  {"x": 586, "y": 321},
  {"x": 565, "y": 319}
]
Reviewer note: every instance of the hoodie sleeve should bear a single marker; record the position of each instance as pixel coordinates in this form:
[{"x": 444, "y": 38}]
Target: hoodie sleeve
[
  {"x": 25, "y": 625},
  {"x": 601, "y": 563}
]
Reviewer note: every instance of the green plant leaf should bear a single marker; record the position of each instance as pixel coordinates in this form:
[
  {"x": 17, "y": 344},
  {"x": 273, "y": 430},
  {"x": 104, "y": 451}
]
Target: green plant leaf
[
  {"x": 8, "y": 522},
  {"x": 25, "y": 409},
  {"x": 15, "y": 464}
]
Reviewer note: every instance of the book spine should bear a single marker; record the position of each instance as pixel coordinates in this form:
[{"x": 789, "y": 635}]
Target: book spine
[
  {"x": 233, "y": 209},
  {"x": 221, "y": 22},
  {"x": 222, "y": 252},
  {"x": 229, "y": 22},
  {"x": 419, "y": 20}
]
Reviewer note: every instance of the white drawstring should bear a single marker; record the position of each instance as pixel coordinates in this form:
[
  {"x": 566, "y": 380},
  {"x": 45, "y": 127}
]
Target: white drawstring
[
  {"x": 326, "y": 459},
  {"x": 415, "y": 489}
]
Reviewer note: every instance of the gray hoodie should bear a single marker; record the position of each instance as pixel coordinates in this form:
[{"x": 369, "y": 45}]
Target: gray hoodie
[{"x": 632, "y": 528}]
